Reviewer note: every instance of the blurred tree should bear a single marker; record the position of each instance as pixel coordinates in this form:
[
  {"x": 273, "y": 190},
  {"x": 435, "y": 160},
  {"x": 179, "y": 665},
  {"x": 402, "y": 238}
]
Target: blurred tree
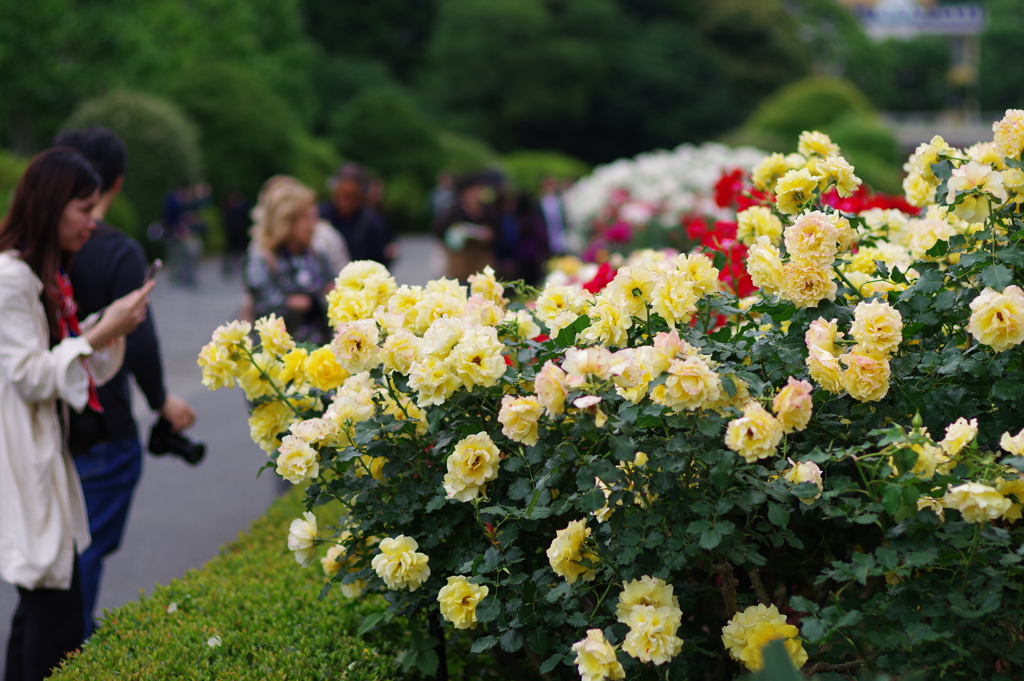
[
  {"x": 247, "y": 131},
  {"x": 1002, "y": 57},
  {"x": 339, "y": 78},
  {"x": 385, "y": 129},
  {"x": 527, "y": 169},
  {"x": 162, "y": 143},
  {"x": 757, "y": 44},
  {"x": 809, "y": 104},
  {"x": 517, "y": 71},
  {"x": 395, "y": 32},
  {"x": 914, "y": 75}
]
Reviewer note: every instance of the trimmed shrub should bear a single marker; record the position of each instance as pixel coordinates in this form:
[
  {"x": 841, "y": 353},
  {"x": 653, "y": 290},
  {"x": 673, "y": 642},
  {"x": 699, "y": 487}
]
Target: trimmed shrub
[
  {"x": 162, "y": 143},
  {"x": 315, "y": 160},
  {"x": 261, "y": 607},
  {"x": 247, "y": 131},
  {"x": 465, "y": 154},
  {"x": 386, "y": 130},
  {"x": 526, "y": 169},
  {"x": 808, "y": 104}
]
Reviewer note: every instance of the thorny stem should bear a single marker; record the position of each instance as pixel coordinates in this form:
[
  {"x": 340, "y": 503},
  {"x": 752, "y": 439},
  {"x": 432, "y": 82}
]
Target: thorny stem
[{"x": 268, "y": 379}]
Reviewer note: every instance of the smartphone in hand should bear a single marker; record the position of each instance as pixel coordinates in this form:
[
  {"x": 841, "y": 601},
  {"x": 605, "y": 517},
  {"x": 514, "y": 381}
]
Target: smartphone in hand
[{"x": 153, "y": 269}]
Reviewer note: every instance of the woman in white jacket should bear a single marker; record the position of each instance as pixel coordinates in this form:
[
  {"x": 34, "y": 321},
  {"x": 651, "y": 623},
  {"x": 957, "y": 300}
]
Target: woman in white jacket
[{"x": 47, "y": 364}]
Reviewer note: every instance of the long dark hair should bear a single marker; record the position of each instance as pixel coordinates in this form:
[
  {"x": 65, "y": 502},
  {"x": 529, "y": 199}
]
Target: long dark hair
[{"x": 50, "y": 182}]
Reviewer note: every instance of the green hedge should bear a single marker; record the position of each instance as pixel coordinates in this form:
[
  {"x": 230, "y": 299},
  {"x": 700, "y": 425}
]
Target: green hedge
[{"x": 259, "y": 602}]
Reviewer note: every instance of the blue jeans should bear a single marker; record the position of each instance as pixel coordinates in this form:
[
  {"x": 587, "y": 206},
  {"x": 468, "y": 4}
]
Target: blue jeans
[{"x": 109, "y": 473}]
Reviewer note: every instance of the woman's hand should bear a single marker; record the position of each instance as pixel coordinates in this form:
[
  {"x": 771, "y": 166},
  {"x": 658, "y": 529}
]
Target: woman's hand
[
  {"x": 299, "y": 302},
  {"x": 121, "y": 317}
]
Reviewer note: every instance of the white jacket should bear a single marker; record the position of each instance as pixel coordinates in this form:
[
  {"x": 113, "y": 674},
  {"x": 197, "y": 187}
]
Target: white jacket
[{"x": 42, "y": 512}]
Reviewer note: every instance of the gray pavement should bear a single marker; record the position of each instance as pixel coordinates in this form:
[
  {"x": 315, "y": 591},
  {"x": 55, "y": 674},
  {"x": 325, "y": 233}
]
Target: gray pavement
[{"x": 181, "y": 515}]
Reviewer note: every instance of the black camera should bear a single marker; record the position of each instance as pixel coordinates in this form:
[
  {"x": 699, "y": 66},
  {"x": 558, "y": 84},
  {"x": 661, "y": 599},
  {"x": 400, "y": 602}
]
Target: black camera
[{"x": 163, "y": 440}]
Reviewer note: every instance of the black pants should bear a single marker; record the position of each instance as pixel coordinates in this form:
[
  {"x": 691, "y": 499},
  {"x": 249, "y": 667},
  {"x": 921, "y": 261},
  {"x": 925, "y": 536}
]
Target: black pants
[{"x": 47, "y": 626}]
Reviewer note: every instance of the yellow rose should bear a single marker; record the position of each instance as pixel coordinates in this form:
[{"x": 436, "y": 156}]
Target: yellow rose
[
  {"x": 794, "y": 189},
  {"x": 806, "y": 471},
  {"x": 476, "y": 359},
  {"x": 921, "y": 235},
  {"x": 768, "y": 171},
  {"x": 566, "y": 552},
  {"x": 355, "y": 346},
  {"x": 932, "y": 504},
  {"x": 822, "y": 334},
  {"x": 259, "y": 375},
  {"x": 997, "y": 319},
  {"x": 551, "y": 389},
  {"x": 274, "y": 337},
  {"x": 793, "y": 404},
  {"x": 749, "y": 631},
  {"x": 559, "y": 306},
  {"x": 929, "y": 459},
  {"x": 302, "y": 539},
  {"x": 806, "y": 285},
  {"x": 480, "y": 311},
  {"x": 400, "y": 351},
  {"x": 472, "y": 464},
  {"x": 976, "y": 503},
  {"x": 441, "y": 298},
  {"x": 219, "y": 369},
  {"x": 877, "y": 327},
  {"x": 359, "y": 288},
  {"x": 756, "y": 222},
  {"x": 755, "y": 435},
  {"x": 400, "y": 565},
  {"x": 1014, "y": 445},
  {"x": 518, "y": 417},
  {"x": 958, "y": 435},
  {"x": 645, "y": 591},
  {"x": 459, "y": 598},
  {"x": 674, "y": 298},
  {"x": 267, "y": 421},
  {"x": 296, "y": 460},
  {"x": 433, "y": 381},
  {"x": 691, "y": 384},
  {"x": 522, "y": 321},
  {"x": 323, "y": 370},
  {"x": 595, "y": 658},
  {"x": 814, "y": 143},
  {"x": 232, "y": 333},
  {"x": 837, "y": 169},
  {"x": 369, "y": 465},
  {"x": 484, "y": 284},
  {"x": 335, "y": 560},
  {"x": 700, "y": 270},
  {"x": 917, "y": 190},
  {"x": 609, "y": 322},
  {"x": 292, "y": 364},
  {"x": 812, "y": 239},
  {"x": 652, "y": 634},
  {"x": 824, "y": 369},
  {"x": 867, "y": 375},
  {"x": 632, "y": 287},
  {"x": 1009, "y": 133},
  {"x": 764, "y": 265}
]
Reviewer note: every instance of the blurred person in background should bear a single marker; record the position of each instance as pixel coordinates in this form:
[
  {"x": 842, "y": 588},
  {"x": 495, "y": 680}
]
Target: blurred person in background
[
  {"x": 532, "y": 249},
  {"x": 470, "y": 228},
  {"x": 349, "y": 210},
  {"x": 284, "y": 275},
  {"x": 105, "y": 444},
  {"x": 442, "y": 196},
  {"x": 44, "y": 370},
  {"x": 554, "y": 214},
  {"x": 235, "y": 217}
]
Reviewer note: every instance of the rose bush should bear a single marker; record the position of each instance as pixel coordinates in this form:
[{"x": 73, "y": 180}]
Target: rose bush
[{"x": 656, "y": 478}]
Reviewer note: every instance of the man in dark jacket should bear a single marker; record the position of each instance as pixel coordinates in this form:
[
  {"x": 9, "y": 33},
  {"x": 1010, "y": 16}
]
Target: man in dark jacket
[
  {"x": 364, "y": 228},
  {"x": 108, "y": 454}
]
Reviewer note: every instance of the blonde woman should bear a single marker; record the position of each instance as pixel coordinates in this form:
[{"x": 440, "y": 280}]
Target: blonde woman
[{"x": 283, "y": 273}]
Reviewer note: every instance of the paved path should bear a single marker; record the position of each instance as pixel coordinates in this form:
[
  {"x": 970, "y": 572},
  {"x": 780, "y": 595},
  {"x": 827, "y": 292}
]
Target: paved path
[{"x": 181, "y": 515}]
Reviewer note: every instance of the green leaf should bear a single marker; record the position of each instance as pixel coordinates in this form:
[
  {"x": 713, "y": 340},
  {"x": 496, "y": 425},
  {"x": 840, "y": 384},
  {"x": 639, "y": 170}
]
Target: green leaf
[
  {"x": 436, "y": 503},
  {"x": 1007, "y": 389},
  {"x": 1014, "y": 461},
  {"x": 778, "y": 515},
  {"x": 801, "y": 604},
  {"x": 592, "y": 500},
  {"x": 777, "y": 665},
  {"x": 427, "y": 662},
  {"x": 370, "y": 622},
  {"x": 488, "y": 609},
  {"x": 483, "y": 643},
  {"x": 997, "y": 277},
  {"x": 622, "y": 447},
  {"x": 567, "y": 336},
  {"x": 551, "y": 662},
  {"x": 892, "y": 496},
  {"x": 1012, "y": 256},
  {"x": 512, "y": 640},
  {"x": 938, "y": 250},
  {"x": 710, "y": 538}
]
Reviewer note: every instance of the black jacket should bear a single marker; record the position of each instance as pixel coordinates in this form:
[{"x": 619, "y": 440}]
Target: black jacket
[{"x": 110, "y": 266}]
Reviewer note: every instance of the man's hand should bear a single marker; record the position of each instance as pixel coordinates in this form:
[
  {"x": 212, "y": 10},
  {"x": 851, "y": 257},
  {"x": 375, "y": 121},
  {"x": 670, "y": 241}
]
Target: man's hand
[{"x": 179, "y": 412}]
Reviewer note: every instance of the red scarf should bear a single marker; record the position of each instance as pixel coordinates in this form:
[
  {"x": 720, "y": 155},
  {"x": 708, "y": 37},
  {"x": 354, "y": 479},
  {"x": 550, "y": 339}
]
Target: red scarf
[{"x": 67, "y": 322}]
